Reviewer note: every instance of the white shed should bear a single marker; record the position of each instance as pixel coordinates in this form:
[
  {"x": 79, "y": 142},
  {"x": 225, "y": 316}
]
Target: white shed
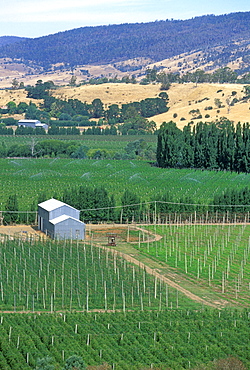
[
  {"x": 33, "y": 123},
  {"x": 59, "y": 220}
]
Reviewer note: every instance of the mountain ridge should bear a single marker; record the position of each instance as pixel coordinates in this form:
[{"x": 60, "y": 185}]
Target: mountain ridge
[
  {"x": 116, "y": 43},
  {"x": 7, "y": 40}
]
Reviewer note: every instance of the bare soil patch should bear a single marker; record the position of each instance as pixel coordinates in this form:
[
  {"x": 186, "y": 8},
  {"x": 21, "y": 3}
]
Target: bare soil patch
[{"x": 24, "y": 231}]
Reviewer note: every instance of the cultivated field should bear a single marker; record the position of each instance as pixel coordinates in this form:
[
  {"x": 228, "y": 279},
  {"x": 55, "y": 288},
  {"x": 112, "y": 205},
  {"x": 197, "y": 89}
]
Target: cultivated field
[
  {"x": 215, "y": 257},
  {"x": 28, "y": 177},
  {"x": 77, "y": 298},
  {"x": 172, "y": 339}
]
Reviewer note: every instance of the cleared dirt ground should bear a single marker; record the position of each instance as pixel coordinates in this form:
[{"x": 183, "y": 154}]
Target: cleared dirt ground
[{"x": 24, "y": 231}]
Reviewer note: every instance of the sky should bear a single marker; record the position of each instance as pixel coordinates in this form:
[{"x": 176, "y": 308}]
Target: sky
[{"x": 35, "y": 18}]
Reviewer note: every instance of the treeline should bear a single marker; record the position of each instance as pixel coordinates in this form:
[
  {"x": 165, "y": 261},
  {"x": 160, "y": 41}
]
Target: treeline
[
  {"x": 220, "y": 75},
  {"x": 50, "y": 148},
  {"x": 97, "y": 205},
  {"x": 56, "y": 130},
  {"x": 214, "y": 146}
]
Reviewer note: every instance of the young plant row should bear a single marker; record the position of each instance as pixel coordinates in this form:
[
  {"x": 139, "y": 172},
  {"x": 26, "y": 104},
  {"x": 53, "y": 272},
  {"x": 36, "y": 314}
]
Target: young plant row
[
  {"x": 176, "y": 339},
  {"x": 214, "y": 255},
  {"x": 52, "y": 276}
]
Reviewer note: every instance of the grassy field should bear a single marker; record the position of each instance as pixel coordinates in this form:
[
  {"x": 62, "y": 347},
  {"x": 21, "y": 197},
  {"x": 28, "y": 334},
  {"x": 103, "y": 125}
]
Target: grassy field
[
  {"x": 29, "y": 177},
  {"x": 182, "y": 99}
]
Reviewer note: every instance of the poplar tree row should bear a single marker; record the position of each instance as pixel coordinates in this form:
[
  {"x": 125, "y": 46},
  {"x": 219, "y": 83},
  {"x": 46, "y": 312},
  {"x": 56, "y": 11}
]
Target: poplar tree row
[{"x": 216, "y": 146}]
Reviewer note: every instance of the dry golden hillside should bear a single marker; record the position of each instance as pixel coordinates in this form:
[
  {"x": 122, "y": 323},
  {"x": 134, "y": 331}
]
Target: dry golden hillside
[
  {"x": 183, "y": 98},
  {"x": 110, "y": 93}
]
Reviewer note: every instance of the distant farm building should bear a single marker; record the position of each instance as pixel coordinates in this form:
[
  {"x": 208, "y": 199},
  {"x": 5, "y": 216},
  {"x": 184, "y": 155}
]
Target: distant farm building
[
  {"x": 33, "y": 123},
  {"x": 59, "y": 220}
]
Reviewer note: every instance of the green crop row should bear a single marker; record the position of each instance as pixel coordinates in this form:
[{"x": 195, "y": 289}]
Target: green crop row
[
  {"x": 170, "y": 339},
  {"x": 215, "y": 256},
  {"x": 51, "y": 276},
  {"x": 28, "y": 178}
]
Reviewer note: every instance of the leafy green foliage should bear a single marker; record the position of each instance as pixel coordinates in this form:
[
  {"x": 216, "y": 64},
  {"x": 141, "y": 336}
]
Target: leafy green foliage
[
  {"x": 209, "y": 145},
  {"x": 40, "y": 90},
  {"x": 11, "y": 210},
  {"x": 44, "y": 364},
  {"x": 74, "y": 363},
  {"x": 169, "y": 339}
]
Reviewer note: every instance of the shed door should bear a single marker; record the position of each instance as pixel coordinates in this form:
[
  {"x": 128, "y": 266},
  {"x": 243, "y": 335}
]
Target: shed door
[{"x": 40, "y": 223}]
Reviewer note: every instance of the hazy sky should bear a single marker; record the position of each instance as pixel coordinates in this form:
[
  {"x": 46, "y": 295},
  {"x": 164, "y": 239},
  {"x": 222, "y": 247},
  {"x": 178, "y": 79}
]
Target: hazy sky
[{"x": 34, "y": 18}]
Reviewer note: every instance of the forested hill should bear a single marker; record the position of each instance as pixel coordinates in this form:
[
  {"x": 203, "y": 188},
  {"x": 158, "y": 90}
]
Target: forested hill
[
  {"x": 7, "y": 40},
  {"x": 155, "y": 40}
]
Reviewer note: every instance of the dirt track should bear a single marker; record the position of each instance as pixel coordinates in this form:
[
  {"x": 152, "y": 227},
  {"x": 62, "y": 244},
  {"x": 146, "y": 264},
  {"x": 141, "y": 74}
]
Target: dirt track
[{"x": 166, "y": 280}]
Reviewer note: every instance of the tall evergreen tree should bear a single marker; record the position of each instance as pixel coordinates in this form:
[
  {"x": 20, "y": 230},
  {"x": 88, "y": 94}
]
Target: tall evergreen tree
[
  {"x": 169, "y": 146},
  {"x": 239, "y": 157},
  {"x": 188, "y": 147},
  {"x": 11, "y": 207},
  {"x": 131, "y": 209},
  {"x": 200, "y": 144},
  {"x": 226, "y": 145}
]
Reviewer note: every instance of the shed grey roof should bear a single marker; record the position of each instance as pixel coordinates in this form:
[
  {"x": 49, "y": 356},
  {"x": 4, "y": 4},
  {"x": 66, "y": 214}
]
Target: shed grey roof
[
  {"x": 39, "y": 124},
  {"x": 62, "y": 218},
  {"x": 51, "y": 204},
  {"x": 29, "y": 121}
]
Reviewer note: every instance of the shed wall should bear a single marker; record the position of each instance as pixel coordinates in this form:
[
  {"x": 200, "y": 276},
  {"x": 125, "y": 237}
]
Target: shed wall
[
  {"x": 64, "y": 210},
  {"x": 69, "y": 229}
]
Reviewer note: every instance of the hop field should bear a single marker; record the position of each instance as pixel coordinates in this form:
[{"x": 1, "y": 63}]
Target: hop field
[
  {"x": 172, "y": 339},
  {"x": 51, "y": 276},
  {"x": 30, "y": 177},
  {"x": 213, "y": 256},
  {"x": 151, "y": 324}
]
